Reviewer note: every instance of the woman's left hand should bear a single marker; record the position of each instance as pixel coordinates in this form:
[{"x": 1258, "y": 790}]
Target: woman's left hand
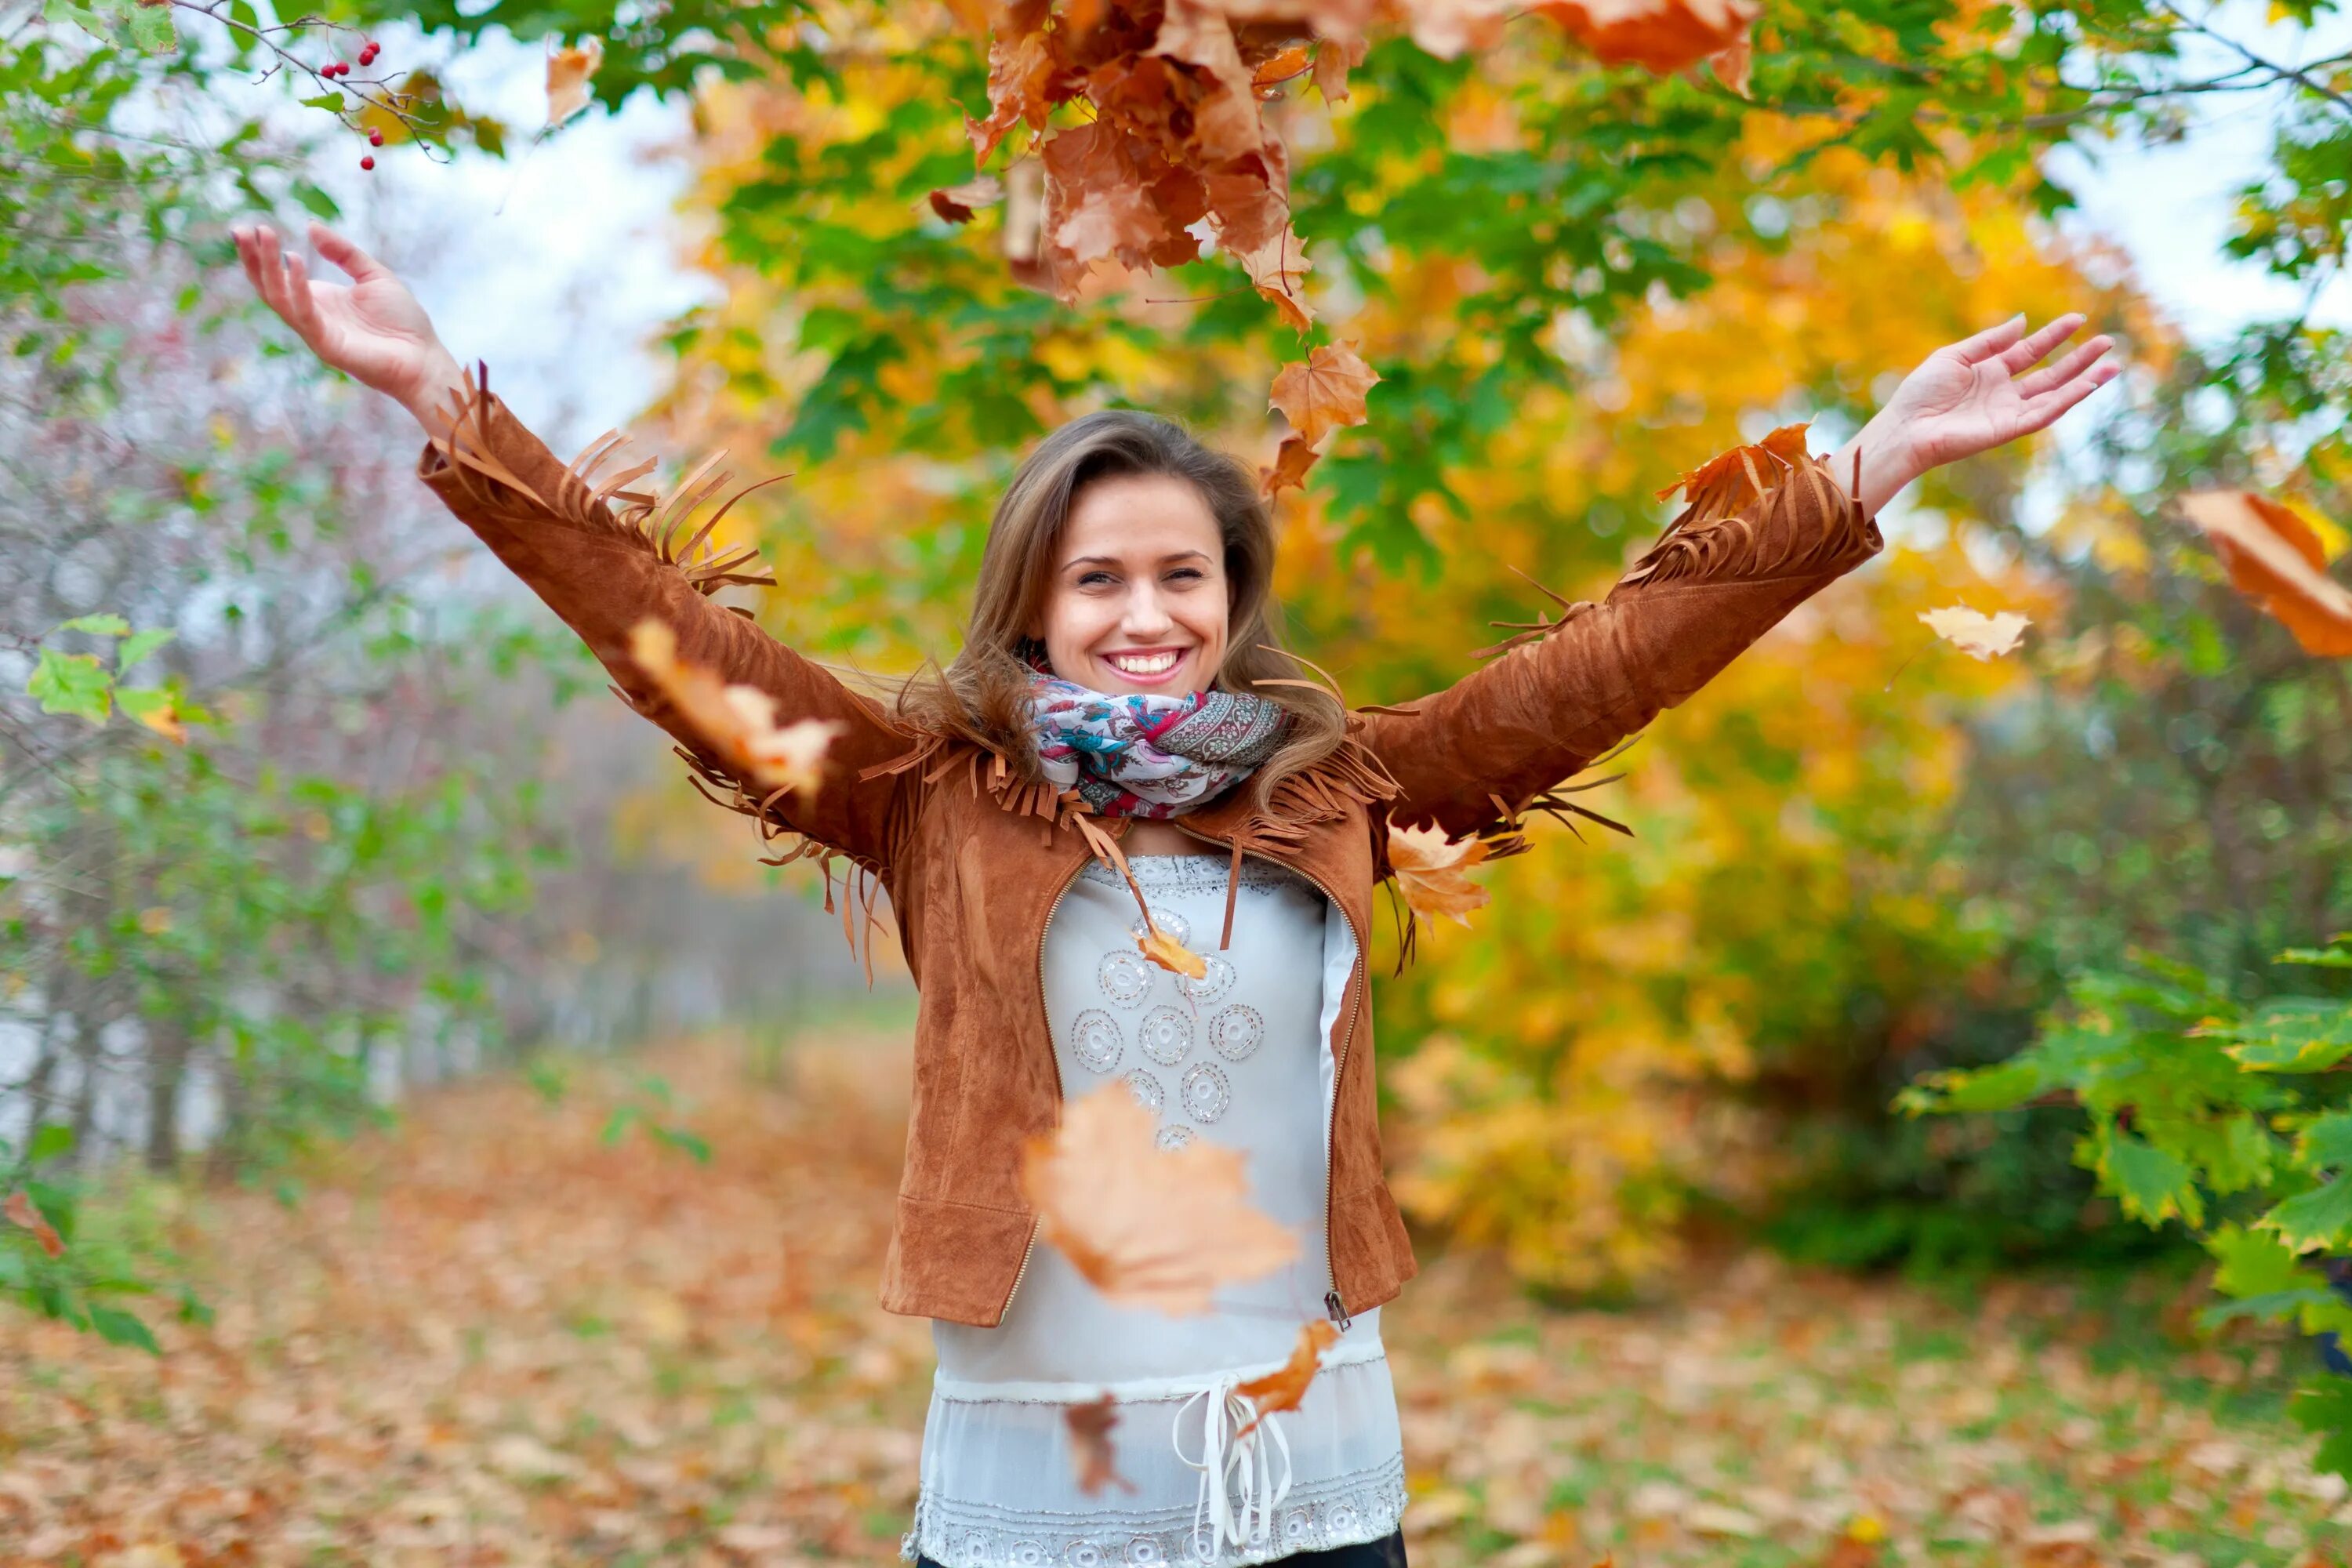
[{"x": 1969, "y": 397}]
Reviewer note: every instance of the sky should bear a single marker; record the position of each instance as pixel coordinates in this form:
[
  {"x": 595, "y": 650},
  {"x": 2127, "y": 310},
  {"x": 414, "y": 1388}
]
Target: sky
[{"x": 557, "y": 268}]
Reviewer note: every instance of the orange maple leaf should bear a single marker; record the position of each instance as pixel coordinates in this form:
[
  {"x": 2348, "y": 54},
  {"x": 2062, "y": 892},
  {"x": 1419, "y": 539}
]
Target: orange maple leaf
[
  {"x": 1730, "y": 480},
  {"x": 1145, "y": 1226},
  {"x": 1660, "y": 35},
  {"x": 1431, "y": 872},
  {"x": 2275, "y": 560},
  {"x": 1097, "y": 1463},
  {"x": 1291, "y": 461},
  {"x": 19, "y": 1210},
  {"x": 568, "y": 70},
  {"x": 1285, "y": 1386},
  {"x": 1325, "y": 392},
  {"x": 740, "y": 721}
]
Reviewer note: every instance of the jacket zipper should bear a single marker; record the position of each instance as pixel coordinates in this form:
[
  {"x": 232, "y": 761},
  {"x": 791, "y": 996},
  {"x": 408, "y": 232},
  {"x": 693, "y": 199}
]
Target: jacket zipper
[
  {"x": 1042, "y": 1013},
  {"x": 1333, "y": 1306}
]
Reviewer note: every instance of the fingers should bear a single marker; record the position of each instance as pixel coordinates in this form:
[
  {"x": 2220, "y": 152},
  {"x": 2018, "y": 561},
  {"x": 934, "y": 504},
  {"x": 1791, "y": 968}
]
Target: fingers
[
  {"x": 1991, "y": 340},
  {"x": 2030, "y": 352},
  {"x": 357, "y": 264},
  {"x": 2041, "y": 411},
  {"x": 303, "y": 312},
  {"x": 2079, "y": 360}
]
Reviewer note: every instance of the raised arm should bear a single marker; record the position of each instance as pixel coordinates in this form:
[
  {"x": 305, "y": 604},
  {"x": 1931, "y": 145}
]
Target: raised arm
[
  {"x": 1489, "y": 746},
  {"x": 601, "y": 568}
]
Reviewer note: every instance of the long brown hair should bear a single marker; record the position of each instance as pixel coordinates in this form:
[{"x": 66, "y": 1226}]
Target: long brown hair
[{"x": 983, "y": 695}]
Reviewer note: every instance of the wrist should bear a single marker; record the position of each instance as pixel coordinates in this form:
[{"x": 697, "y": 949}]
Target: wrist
[
  {"x": 441, "y": 385},
  {"x": 1888, "y": 464}
]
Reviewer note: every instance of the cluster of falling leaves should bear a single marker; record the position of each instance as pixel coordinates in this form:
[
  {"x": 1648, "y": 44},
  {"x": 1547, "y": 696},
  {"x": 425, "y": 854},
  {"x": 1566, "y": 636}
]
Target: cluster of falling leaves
[
  {"x": 738, "y": 722},
  {"x": 1176, "y": 141}
]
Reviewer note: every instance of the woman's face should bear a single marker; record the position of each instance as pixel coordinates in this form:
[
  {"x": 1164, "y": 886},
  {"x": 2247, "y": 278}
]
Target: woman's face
[{"x": 1138, "y": 601}]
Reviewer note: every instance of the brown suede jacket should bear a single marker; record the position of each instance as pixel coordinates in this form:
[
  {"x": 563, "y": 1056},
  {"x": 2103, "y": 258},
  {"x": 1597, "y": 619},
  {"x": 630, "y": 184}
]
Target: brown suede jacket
[{"x": 973, "y": 860}]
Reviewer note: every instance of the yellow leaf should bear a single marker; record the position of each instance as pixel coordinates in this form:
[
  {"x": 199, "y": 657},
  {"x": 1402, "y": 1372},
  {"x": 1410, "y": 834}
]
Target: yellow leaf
[
  {"x": 568, "y": 72},
  {"x": 1171, "y": 955},
  {"x": 1431, "y": 872},
  {"x": 1977, "y": 634},
  {"x": 738, "y": 722},
  {"x": 2275, "y": 559}
]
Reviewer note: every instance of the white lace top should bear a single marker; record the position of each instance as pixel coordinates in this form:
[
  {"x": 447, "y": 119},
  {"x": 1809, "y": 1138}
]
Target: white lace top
[{"x": 1242, "y": 1058}]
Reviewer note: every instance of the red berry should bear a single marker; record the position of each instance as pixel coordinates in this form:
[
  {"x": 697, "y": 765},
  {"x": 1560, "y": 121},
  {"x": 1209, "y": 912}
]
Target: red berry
[
  {"x": 375, "y": 138},
  {"x": 367, "y": 56},
  {"x": 367, "y": 163},
  {"x": 337, "y": 69}
]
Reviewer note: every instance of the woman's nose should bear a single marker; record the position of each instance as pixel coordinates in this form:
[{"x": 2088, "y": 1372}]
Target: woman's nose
[{"x": 1147, "y": 615}]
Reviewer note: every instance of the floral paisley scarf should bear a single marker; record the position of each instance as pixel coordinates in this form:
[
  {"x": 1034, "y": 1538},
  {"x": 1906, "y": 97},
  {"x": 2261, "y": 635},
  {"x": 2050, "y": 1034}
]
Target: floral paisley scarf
[{"x": 1151, "y": 756}]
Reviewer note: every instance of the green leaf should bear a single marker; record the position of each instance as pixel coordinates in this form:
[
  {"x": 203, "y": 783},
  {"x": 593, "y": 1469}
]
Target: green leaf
[
  {"x": 136, "y": 649},
  {"x": 2319, "y": 1220},
  {"x": 2153, "y": 1185},
  {"x": 332, "y": 103},
  {"x": 72, "y": 683},
  {"x": 2294, "y": 1033},
  {"x": 317, "y": 203},
  {"x": 2252, "y": 1263},
  {"x": 48, "y": 1142},
  {"x": 2328, "y": 1409},
  {"x": 117, "y": 1327},
  {"x": 2001, "y": 1087},
  {"x": 151, "y": 27},
  {"x": 2326, "y": 1143},
  {"x": 688, "y": 1143},
  {"x": 98, "y": 626}
]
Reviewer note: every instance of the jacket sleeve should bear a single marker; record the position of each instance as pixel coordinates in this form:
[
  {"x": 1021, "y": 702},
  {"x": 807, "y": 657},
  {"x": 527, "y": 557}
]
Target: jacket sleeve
[
  {"x": 604, "y": 569},
  {"x": 1480, "y": 753}
]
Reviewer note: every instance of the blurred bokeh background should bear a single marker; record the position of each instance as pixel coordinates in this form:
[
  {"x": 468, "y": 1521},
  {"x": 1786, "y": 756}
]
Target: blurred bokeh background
[{"x": 364, "y": 820}]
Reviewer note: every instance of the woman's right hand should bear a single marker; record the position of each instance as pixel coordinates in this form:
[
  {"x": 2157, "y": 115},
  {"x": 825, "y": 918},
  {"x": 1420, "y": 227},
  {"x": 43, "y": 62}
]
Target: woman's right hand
[{"x": 372, "y": 329}]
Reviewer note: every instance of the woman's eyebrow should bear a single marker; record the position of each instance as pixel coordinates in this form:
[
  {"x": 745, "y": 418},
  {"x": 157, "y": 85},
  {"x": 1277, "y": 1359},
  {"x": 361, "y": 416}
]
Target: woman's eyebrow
[{"x": 1115, "y": 561}]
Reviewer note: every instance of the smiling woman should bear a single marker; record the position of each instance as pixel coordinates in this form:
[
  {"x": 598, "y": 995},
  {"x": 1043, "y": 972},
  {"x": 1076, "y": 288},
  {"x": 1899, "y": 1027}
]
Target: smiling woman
[{"x": 1122, "y": 683}]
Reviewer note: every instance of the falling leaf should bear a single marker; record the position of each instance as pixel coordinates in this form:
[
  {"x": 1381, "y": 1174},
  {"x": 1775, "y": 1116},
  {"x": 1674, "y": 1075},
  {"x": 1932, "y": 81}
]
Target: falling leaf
[
  {"x": 1147, "y": 1227},
  {"x": 1974, "y": 633},
  {"x": 1660, "y": 34},
  {"x": 1431, "y": 872},
  {"x": 1171, "y": 955},
  {"x": 1447, "y": 28},
  {"x": 568, "y": 70},
  {"x": 1726, "y": 483},
  {"x": 2274, "y": 558},
  {"x": 20, "y": 1211},
  {"x": 1090, "y": 1424},
  {"x": 740, "y": 721},
  {"x": 1730, "y": 66},
  {"x": 1285, "y": 1386},
  {"x": 1325, "y": 392},
  {"x": 1291, "y": 461},
  {"x": 958, "y": 203}
]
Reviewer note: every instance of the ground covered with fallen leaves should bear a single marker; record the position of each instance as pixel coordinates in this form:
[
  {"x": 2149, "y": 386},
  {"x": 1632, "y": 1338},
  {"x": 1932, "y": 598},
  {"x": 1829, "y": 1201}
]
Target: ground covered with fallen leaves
[{"x": 498, "y": 1335}]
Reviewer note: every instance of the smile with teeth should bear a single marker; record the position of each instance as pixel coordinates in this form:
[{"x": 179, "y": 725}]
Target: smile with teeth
[{"x": 1155, "y": 663}]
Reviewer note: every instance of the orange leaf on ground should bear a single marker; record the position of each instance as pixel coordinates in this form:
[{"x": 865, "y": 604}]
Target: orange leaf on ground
[
  {"x": 568, "y": 72},
  {"x": 1285, "y": 1386},
  {"x": 1726, "y": 483},
  {"x": 740, "y": 721},
  {"x": 1660, "y": 35},
  {"x": 1171, "y": 955},
  {"x": 1291, "y": 461},
  {"x": 20, "y": 1211},
  {"x": 2274, "y": 558},
  {"x": 1325, "y": 392},
  {"x": 1097, "y": 1463},
  {"x": 1145, "y": 1226},
  {"x": 1974, "y": 633},
  {"x": 1431, "y": 872}
]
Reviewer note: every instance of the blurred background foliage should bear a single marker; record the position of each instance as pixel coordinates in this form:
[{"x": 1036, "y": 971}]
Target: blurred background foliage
[{"x": 1859, "y": 858}]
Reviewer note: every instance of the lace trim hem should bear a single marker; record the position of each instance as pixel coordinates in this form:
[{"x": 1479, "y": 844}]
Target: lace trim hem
[{"x": 1345, "y": 1510}]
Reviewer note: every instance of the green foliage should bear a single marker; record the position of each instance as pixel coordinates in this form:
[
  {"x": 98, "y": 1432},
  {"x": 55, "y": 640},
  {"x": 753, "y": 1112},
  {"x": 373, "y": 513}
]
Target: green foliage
[{"x": 2198, "y": 1117}]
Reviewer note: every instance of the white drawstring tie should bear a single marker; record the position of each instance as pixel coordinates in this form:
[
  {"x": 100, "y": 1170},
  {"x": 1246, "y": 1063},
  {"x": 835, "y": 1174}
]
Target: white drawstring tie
[{"x": 1237, "y": 1472}]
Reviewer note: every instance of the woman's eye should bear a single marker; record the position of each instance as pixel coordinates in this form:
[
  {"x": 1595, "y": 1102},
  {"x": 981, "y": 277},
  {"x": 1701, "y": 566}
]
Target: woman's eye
[
  {"x": 1187, "y": 574},
  {"x": 1094, "y": 579}
]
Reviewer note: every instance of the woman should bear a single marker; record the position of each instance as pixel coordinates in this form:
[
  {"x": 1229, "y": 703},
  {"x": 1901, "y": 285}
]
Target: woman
[{"x": 1112, "y": 714}]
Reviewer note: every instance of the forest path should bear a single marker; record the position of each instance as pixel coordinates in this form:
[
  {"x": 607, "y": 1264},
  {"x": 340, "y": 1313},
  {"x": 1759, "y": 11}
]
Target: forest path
[{"x": 495, "y": 1334}]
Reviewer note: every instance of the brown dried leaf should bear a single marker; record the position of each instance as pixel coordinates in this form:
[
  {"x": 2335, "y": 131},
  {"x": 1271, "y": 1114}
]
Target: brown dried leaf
[
  {"x": 1731, "y": 64},
  {"x": 2274, "y": 558},
  {"x": 1726, "y": 483},
  {"x": 1325, "y": 392},
  {"x": 1981, "y": 635},
  {"x": 568, "y": 73},
  {"x": 1432, "y": 872},
  {"x": 1662, "y": 36},
  {"x": 1090, "y": 1427},
  {"x": 1291, "y": 461},
  {"x": 1171, "y": 955},
  {"x": 1284, "y": 1387},
  {"x": 959, "y": 203},
  {"x": 1226, "y": 121},
  {"x": 740, "y": 721},
  {"x": 19, "y": 1210},
  {"x": 1147, "y": 1227}
]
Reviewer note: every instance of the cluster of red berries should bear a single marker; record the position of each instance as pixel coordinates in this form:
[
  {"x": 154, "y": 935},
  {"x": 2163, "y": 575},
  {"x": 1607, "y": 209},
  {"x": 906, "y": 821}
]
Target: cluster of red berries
[{"x": 368, "y": 51}]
